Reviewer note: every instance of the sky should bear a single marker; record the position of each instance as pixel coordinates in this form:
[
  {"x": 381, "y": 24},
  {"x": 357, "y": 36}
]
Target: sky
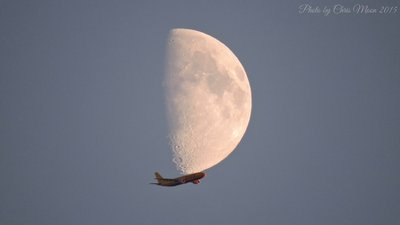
[{"x": 83, "y": 128}]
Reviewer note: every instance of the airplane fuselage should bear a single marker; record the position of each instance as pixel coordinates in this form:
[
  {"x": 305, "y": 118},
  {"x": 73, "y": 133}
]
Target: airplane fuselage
[{"x": 190, "y": 178}]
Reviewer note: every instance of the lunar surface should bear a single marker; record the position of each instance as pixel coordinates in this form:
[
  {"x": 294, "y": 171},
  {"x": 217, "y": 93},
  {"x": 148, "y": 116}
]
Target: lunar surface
[{"x": 208, "y": 100}]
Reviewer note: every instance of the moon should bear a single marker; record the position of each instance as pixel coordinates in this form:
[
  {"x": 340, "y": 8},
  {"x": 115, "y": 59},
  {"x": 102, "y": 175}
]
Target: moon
[{"x": 208, "y": 100}]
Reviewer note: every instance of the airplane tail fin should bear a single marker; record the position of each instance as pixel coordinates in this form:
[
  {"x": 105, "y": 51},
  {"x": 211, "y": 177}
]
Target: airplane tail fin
[{"x": 158, "y": 176}]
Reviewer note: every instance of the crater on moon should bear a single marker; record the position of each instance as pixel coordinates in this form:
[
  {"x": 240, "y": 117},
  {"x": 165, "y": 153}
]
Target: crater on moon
[{"x": 208, "y": 100}]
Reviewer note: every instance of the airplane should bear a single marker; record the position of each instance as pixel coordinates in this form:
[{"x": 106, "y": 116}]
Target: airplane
[{"x": 194, "y": 178}]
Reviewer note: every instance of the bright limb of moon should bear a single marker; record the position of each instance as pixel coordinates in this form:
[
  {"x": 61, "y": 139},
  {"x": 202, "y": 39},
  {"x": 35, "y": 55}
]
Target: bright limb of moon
[{"x": 208, "y": 100}]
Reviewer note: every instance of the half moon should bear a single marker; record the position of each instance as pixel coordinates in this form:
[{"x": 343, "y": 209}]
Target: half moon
[{"x": 208, "y": 100}]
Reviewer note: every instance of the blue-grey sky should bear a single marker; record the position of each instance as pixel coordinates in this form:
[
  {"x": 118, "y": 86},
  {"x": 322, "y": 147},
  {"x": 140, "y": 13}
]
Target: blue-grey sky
[{"x": 82, "y": 123}]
